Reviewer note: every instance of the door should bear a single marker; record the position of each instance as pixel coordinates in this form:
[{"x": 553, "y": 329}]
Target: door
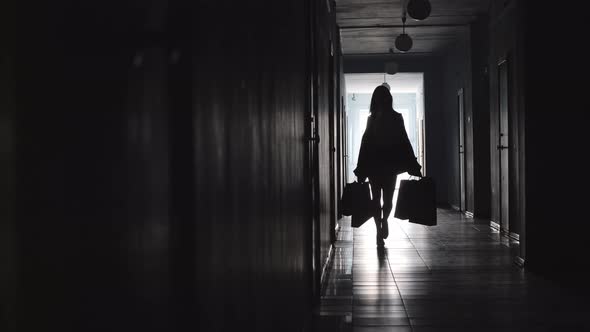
[
  {"x": 314, "y": 189},
  {"x": 461, "y": 111},
  {"x": 312, "y": 166},
  {"x": 333, "y": 98},
  {"x": 503, "y": 144}
]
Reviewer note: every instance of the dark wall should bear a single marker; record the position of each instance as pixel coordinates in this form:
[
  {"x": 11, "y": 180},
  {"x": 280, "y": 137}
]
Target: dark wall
[
  {"x": 92, "y": 208},
  {"x": 160, "y": 159},
  {"x": 556, "y": 166},
  {"x": 437, "y": 162},
  {"x": 8, "y": 271},
  {"x": 480, "y": 49}
]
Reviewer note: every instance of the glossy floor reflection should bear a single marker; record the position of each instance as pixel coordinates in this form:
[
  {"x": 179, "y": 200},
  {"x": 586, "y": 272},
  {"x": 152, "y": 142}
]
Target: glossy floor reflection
[{"x": 457, "y": 276}]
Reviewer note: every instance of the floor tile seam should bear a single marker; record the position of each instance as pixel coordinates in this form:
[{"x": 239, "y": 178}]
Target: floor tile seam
[
  {"x": 398, "y": 291},
  {"x": 421, "y": 258}
]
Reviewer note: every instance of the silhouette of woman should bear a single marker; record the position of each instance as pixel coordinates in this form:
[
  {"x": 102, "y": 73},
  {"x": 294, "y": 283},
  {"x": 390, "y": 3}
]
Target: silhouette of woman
[{"x": 385, "y": 152}]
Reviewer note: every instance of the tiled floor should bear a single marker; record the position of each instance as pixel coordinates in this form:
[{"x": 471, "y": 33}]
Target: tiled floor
[{"x": 456, "y": 276}]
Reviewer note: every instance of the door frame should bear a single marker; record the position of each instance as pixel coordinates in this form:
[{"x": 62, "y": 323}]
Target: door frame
[
  {"x": 462, "y": 159},
  {"x": 312, "y": 140},
  {"x": 503, "y": 143},
  {"x": 332, "y": 142}
]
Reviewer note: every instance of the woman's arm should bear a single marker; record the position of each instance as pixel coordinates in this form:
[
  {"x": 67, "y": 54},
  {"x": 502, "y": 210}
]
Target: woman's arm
[
  {"x": 411, "y": 162},
  {"x": 361, "y": 165}
]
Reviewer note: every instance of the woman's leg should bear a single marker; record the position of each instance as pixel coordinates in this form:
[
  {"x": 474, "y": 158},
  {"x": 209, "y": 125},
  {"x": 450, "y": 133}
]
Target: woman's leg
[
  {"x": 388, "y": 190},
  {"x": 376, "y": 187}
]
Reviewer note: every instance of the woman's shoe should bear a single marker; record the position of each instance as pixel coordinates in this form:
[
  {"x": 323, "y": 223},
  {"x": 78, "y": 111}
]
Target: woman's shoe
[{"x": 380, "y": 242}]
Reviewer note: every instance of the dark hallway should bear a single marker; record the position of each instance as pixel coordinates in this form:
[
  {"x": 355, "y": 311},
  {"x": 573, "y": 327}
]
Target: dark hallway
[{"x": 176, "y": 165}]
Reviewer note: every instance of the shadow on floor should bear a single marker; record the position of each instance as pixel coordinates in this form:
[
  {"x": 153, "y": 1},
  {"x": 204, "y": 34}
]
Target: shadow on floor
[{"x": 337, "y": 323}]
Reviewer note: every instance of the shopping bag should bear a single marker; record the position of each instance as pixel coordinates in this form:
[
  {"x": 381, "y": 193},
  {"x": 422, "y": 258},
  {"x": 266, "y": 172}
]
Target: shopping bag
[
  {"x": 406, "y": 198},
  {"x": 356, "y": 202},
  {"x": 416, "y": 201}
]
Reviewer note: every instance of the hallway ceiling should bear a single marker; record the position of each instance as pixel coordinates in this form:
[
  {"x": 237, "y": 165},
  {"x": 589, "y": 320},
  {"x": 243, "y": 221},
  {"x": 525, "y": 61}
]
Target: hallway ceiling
[{"x": 371, "y": 26}]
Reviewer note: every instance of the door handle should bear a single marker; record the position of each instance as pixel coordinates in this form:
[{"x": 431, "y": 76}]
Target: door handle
[{"x": 501, "y": 147}]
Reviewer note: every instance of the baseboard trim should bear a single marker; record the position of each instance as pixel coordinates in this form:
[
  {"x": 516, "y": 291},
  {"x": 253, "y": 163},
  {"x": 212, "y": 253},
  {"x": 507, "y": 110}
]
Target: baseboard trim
[
  {"x": 326, "y": 266},
  {"x": 509, "y": 235},
  {"x": 519, "y": 261},
  {"x": 495, "y": 225},
  {"x": 467, "y": 214},
  {"x": 514, "y": 236}
]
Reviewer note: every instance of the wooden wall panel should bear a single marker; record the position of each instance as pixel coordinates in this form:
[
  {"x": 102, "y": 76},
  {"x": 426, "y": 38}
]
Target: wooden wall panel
[
  {"x": 160, "y": 157},
  {"x": 249, "y": 109}
]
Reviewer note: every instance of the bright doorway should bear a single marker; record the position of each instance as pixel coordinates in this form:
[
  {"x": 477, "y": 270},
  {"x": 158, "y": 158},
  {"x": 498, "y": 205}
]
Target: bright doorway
[{"x": 407, "y": 90}]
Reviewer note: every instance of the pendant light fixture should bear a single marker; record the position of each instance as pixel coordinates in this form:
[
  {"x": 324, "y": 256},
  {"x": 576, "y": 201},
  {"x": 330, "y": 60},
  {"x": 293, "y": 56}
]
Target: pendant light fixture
[
  {"x": 385, "y": 84},
  {"x": 391, "y": 67},
  {"x": 419, "y": 9},
  {"x": 403, "y": 42}
]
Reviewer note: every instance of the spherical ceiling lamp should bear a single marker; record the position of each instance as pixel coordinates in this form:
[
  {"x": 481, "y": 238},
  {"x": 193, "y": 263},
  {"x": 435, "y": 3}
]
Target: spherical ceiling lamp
[
  {"x": 403, "y": 42},
  {"x": 391, "y": 67},
  {"x": 419, "y": 9}
]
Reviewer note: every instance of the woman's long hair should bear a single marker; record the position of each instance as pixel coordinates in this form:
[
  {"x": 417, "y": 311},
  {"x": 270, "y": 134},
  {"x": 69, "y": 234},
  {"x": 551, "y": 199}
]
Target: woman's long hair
[{"x": 381, "y": 100}]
